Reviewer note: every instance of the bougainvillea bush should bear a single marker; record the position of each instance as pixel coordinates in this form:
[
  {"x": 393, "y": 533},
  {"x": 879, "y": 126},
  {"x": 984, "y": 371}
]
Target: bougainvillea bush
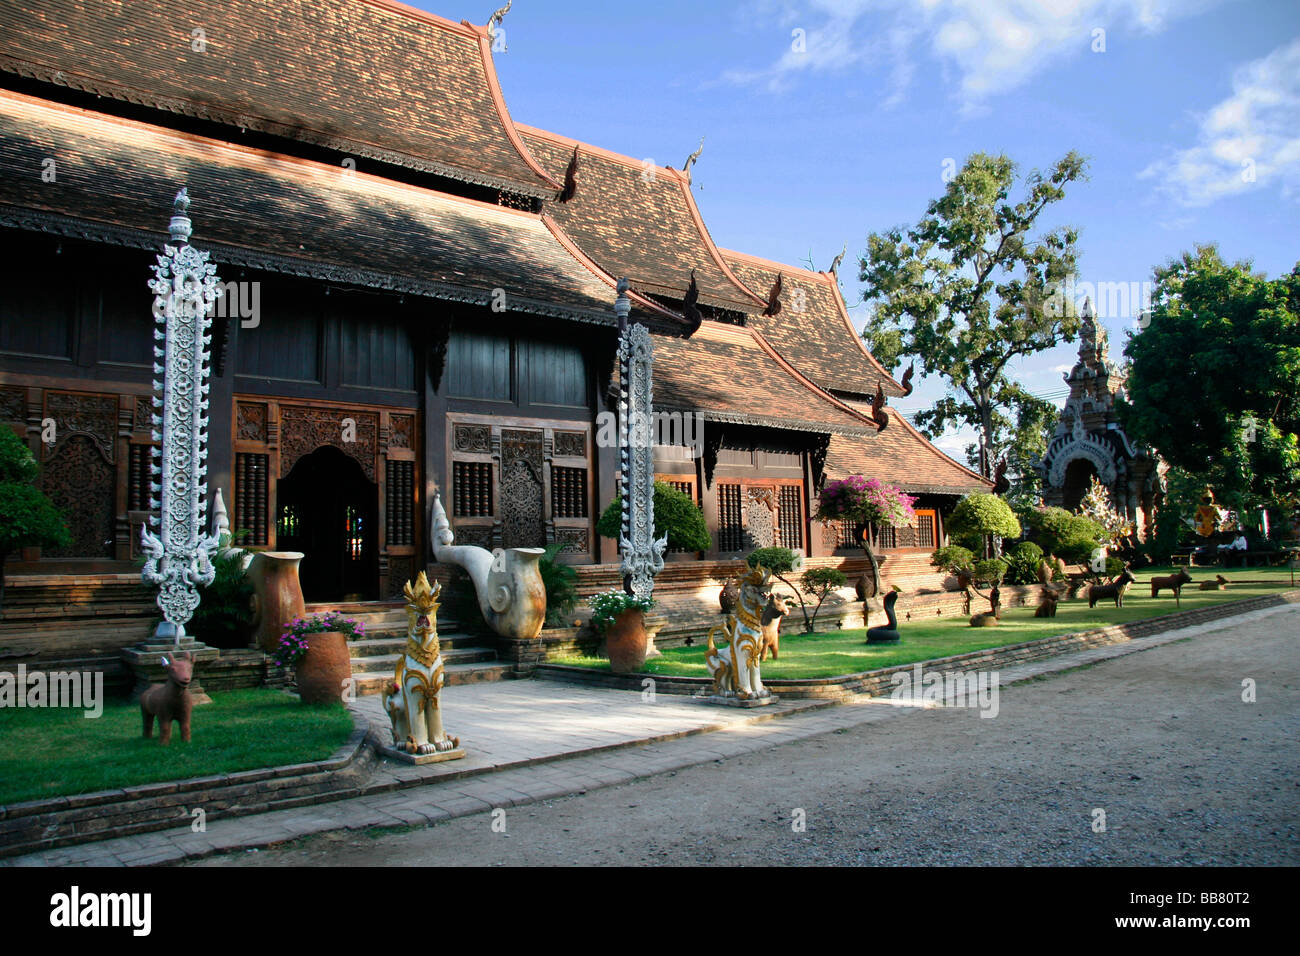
[{"x": 865, "y": 501}]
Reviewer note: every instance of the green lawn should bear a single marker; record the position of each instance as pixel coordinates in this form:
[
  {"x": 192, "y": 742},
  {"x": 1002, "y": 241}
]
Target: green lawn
[
  {"x": 805, "y": 656},
  {"x": 53, "y": 752}
]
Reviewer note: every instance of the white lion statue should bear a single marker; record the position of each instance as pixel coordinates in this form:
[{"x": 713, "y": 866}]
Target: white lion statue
[
  {"x": 412, "y": 700},
  {"x": 734, "y": 664}
]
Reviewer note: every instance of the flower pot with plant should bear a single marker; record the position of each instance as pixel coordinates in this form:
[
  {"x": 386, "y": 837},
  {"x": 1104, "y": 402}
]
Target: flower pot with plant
[
  {"x": 316, "y": 647},
  {"x": 620, "y": 617}
]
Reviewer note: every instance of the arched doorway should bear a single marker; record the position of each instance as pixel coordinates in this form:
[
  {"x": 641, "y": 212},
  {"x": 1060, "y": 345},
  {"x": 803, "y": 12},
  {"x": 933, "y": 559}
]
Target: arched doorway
[
  {"x": 1078, "y": 478},
  {"x": 327, "y": 509}
]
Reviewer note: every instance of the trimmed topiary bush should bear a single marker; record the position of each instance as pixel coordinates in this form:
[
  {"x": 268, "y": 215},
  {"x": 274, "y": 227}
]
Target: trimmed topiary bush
[
  {"x": 979, "y": 515},
  {"x": 954, "y": 559},
  {"x": 990, "y": 571},
  {"x": 676, "y": 514},
  {"x": 1068, "y": 536}
]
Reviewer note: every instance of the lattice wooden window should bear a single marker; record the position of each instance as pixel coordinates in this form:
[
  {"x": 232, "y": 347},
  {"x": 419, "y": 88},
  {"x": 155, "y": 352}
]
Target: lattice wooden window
[
  {"x": 790, "y": 516},
  {"x": 569, "y": 492},
  {"x": 731, "y": 528},
  {"x": 137, "y": 488},
  {"x": 846, "y": 536},
  {"x": 927, "y": 528},
  {"x": 250, "y": 496},
  {"x": 886, "y": 536},
  {"x": 400, "y": 501},
  {"x": 472, "y": 489}
]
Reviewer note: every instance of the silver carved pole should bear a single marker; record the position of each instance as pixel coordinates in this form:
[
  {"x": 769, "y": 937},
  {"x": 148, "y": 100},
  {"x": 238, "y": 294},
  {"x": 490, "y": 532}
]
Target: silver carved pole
[
  {"x": 179, "y": 553},
  {"x": 643, "y": 555}
]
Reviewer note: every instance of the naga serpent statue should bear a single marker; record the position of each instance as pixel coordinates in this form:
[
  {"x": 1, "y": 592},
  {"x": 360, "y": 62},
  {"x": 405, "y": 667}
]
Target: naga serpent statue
[
  {"x": 511, "y": 594},
  {"x": 887, "y": 635}
]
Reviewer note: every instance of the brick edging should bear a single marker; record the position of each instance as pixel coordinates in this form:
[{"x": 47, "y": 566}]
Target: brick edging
[
  {"x": 80, "y": 818},
  {"x": 870, "y": 682}
]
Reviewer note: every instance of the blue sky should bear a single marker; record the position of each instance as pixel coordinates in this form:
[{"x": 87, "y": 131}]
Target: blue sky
[{"x": 1190, "y": 117}]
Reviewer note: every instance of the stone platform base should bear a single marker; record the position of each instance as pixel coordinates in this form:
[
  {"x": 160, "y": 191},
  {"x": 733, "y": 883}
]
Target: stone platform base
[
  {"x": 737, "y": 701},
  {"x": 421, "y": 759}
]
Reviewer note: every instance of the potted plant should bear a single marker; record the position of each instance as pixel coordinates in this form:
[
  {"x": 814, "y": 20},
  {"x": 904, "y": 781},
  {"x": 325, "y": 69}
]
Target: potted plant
[
  {"x": 316, "y": 647},
  {"x": 620, "y": 617}
]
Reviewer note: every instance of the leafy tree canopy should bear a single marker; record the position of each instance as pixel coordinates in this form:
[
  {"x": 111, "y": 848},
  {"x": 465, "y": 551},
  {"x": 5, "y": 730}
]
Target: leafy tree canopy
[
  {"x": 1214, "y": 377},
  {"x": 970, "y": 288},
  {"x": 981, "y": 514}
]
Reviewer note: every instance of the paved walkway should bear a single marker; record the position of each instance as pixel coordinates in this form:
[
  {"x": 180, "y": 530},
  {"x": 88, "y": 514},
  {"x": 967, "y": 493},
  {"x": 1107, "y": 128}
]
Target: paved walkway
[{"x": 527, "y": 728}]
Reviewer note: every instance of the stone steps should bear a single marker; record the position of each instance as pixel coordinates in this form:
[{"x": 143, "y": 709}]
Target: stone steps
[{"x": 367, "y": 683}]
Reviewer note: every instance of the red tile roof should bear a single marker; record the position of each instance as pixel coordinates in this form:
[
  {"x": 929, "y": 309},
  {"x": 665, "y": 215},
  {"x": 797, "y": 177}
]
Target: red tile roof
[
  {"x": 639, "y": 220},
  {"x": 372, "y": 78},
  {"x": 902, "y": 455},
  {"x": 813, "y": 329},
  {"x": 115, "y": 180}
]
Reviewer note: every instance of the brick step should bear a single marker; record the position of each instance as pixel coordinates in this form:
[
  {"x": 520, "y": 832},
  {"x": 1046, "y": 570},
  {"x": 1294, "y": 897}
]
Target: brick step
[
  {"x": 455, "y": 674},
  {"x": 387, "y": 663},
  {"x": 373, "y": 644}
]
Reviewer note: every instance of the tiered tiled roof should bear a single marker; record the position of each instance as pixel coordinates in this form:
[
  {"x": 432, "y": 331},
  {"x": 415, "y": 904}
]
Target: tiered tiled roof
[
  {"x": 639, "y": 220},
  {"x": 115, "y": 180},
  {"x": 902, "y": 455},
  {"x": 813, "y": 330},
  {"x": 370, "y": 78},
  {"x": 729, "y": 373}
]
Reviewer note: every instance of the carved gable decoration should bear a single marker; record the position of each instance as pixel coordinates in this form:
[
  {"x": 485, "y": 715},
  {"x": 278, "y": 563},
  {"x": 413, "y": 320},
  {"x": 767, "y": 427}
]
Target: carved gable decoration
[
  {"x": 78, "y": 413},
  {"x": 251, "y": 424},
  {"x": 303, "y": 430}
]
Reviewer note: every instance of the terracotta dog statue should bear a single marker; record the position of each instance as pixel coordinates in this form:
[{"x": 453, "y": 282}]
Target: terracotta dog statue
[
  {"x": 1048, "y": 606},
  {"x": 1171, "y": 582},
  {"x": 773, "y": 612},
  {"x": 170, "y": 701},
  {"x": 1115, "y": 589},
  {"x": 1220, "y": 583}
]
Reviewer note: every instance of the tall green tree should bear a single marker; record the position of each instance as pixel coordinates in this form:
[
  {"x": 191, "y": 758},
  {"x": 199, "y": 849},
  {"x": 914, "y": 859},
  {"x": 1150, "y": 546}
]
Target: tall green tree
[
  {"x": 971, "y": 287},
  {"x": 1023, "y": 426},
  {"x": 1214, "y": 378},
  {"x": 27, "y": 518}
]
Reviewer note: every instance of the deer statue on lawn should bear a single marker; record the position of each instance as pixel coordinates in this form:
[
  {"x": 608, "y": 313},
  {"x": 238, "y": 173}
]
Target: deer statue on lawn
[{"x": 170, "y": 701}]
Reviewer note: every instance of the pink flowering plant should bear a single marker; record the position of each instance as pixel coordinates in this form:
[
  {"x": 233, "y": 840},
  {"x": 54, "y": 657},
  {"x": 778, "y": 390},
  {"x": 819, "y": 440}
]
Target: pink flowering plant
[
  {"x": 865, "y": 501},
  {"x": 293, "y": 642}
]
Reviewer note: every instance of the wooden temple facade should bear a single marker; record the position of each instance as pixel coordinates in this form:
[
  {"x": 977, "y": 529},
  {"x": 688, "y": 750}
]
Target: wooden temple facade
[{"x": 418, "y": 300}]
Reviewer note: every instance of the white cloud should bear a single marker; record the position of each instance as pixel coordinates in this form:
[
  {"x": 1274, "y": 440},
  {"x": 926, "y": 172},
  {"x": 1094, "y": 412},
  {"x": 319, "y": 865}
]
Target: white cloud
[
  {"x": 989, "y": 46},
  {"x": 1248, "y": 141}
]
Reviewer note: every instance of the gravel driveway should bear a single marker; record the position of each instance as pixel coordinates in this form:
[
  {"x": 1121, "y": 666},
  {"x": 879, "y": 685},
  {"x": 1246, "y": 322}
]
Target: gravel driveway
[{"x": 1185, "y": 771}]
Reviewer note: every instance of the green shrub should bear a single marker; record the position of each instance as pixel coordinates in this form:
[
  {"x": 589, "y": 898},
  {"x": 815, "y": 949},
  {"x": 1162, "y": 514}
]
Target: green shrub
[
  {"x": 990, "y": 571},
  {"x": 28, "y": 519},
  {"x": 979, "y": 515},
  {"x": 1022, "y": 563},
  {"x": 777, "y": 560},
  {"x": 608, "y": 605},
  {"x": 1069, "y": 536},
  {"x": 954, "y": 559},
  {"x": 819, "y": 583},
  {"x": 223, "y": 618},
  {"x": 676, "y": 514},
  {"x": 561, "y": 582}
]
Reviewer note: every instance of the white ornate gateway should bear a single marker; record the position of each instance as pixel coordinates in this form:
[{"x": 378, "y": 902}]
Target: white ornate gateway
[
  {"x": 643, "y": 555},
  {"x": 1090, "y": 441},
  {"x": 180, "y": 553}
]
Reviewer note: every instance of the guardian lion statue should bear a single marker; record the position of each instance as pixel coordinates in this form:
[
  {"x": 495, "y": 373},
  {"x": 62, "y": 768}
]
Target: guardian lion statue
[
  {"x": 412, "y": 700},
  {"x": 734, "y": 663}
]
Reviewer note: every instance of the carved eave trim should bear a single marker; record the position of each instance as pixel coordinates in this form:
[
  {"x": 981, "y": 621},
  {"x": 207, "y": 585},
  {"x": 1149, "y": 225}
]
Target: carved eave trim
[
  {"x": 44, "y": 74},
  {"x": 55, "y": 224},
  {"x": 762, "y": 421}
]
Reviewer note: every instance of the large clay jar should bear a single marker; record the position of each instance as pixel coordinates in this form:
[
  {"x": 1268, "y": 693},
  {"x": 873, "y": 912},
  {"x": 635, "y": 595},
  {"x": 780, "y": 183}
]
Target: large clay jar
[
  {"x": 277, "y": 595},
  {"x": 321, "y": 672},
  {"x": 626, "y": 641}
]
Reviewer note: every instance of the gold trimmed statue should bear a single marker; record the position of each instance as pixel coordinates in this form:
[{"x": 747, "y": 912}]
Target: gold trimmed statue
[
  {"x": 734, "y": 663},
  {"x": 412, "y": 700}
]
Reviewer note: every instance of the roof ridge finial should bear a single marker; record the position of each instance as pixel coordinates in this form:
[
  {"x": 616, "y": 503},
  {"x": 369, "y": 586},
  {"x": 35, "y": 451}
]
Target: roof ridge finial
[
  {"x": 691, "y": 159},
  {"x": 494, "y": 21},
  {"x": 835, "y": 263}
]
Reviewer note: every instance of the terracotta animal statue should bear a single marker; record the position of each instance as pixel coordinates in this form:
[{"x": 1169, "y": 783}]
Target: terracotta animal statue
[
  {"x": 413, "y": 698},
  {"x": 1171, "y": 582},
  {"x": 991, "y": 618},
  {"x": 734, "y": 662},
  {"x": 1115, "y": 589},
  {"x": 887, "y": 635},
  {"x": 1047, "y": 607},
  {"x": 775, "y": 610},
  {"x": 1220, "y": 583},
  {"x": 170, "y": 701}
]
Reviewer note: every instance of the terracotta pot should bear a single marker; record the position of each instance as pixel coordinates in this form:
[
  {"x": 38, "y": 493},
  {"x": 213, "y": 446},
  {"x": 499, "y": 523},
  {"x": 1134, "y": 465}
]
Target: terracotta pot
[
  {"x": 626, "y": 641},
  {"x": 320, "y": 672},
  {"x": 277, "y": 595}
]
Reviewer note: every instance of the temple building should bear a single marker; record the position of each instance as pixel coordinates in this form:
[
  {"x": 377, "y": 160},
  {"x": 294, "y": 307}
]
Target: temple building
[
  {"x": 418, "y": 300},
  {"x": 1091, "y": 442}
]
